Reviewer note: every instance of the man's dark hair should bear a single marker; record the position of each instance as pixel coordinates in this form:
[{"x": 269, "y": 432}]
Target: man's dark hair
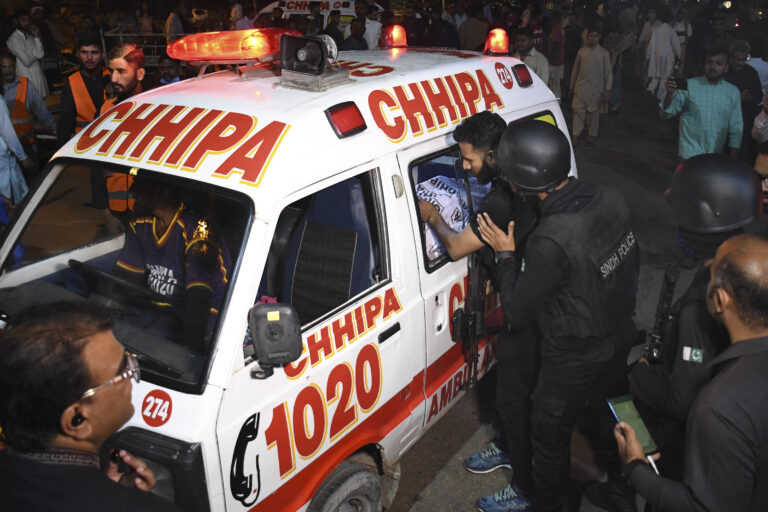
[
  {"x": 88, "y": 38},
  {"x": 525, "y": 31},
  {"x": 130, "y": 52},
  {"x": 42, "y": 370},
  {"x": 749, "y": 290},
  {"x": 334, "y": 12},
  {"x": 739, "y": 46},
  {"x": 711, "y": 52},
  {"x": 5, "y": 53},
  {"x": 483, "y": 130}
]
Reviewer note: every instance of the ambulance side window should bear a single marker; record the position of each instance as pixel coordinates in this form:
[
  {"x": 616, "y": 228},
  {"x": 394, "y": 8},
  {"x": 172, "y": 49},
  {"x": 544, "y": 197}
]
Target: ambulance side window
[
  {"x": 328, "y": 248},
  {"x": 439, "y": 179}
]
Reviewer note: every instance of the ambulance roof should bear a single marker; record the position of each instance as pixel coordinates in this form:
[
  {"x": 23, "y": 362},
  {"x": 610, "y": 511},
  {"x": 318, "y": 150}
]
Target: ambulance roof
[{"x": 269, "y": 141}]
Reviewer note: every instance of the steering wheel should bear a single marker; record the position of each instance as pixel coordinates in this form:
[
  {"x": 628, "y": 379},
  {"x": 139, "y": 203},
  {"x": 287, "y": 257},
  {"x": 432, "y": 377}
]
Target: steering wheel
[{"x": 114, "y": 287}]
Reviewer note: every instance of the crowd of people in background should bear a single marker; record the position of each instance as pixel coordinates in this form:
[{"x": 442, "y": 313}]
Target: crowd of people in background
[{"x": 585, "y": 53}]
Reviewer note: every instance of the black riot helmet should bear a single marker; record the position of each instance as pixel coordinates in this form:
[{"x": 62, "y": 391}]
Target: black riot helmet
[
  {"x": 714, "y": 194},
  {"x": 534, "y": 155}
]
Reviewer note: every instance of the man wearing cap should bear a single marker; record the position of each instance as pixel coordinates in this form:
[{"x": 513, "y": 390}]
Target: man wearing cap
[{"x": 578, "y": 278}]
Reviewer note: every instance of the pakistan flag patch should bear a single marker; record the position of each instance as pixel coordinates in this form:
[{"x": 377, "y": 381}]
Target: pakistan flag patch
[{"x": 694, "y": 355}]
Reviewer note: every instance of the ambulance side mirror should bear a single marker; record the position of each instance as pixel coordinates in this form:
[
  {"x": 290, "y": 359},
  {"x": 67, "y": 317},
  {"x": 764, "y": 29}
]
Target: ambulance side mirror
[{"x": 276, "y": 336}]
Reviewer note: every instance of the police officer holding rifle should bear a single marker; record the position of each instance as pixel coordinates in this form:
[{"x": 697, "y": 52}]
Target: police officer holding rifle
[
  {"x": 712, "y": 196},
  {"x": 578, "y": 277}
]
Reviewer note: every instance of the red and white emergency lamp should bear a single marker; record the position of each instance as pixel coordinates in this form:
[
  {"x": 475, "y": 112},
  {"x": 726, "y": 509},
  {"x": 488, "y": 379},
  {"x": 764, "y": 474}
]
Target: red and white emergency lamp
[
  {"x": 497, "y": 42},
  {"x": 393, "y": 37},
  {"x": 230, "y": 46}
]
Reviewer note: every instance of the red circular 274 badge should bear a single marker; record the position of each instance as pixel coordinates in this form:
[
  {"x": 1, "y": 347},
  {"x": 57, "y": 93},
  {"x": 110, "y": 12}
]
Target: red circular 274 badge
[
  {"x": 505, "y": 75},
  {"x": 156, "y": 408}
]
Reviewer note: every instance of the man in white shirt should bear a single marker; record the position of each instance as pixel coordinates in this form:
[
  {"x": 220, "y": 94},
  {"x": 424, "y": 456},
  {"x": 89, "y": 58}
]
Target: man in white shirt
[
  {"x": 26, "y": 45},
  {"x": 525, "y": 51}
]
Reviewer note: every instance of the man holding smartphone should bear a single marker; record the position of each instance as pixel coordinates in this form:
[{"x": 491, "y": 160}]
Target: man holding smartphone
[
  {"x": 727, "y": 432},
  {"x": 710, "y": 110}
]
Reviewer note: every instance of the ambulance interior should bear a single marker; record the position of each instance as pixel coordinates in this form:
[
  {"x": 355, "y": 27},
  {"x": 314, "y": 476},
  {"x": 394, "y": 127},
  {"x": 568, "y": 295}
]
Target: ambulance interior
[{"x": 68, "y": 249}]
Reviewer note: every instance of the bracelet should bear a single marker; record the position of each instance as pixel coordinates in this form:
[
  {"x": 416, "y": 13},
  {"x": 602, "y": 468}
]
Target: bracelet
[
  {"x": 629, "y": 467},
  {"x": 502, "y": 255}
]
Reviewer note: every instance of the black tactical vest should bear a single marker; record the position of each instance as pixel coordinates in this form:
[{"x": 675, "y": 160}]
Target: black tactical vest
[{"x": 604, "y": 262}]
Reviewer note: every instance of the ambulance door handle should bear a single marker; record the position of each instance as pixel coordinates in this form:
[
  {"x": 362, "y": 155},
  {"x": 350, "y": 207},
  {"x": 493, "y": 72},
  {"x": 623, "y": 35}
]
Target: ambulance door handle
[{"x": 384, "y": 336}]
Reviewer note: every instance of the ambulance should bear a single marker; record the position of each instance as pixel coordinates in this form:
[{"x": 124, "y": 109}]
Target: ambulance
[
  {"x": 292, "y": 8},
  {"x": 329, "y": 351}
]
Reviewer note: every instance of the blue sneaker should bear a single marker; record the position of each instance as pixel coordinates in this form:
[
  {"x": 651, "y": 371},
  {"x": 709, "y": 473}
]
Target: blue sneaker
[
  {"x": 506, "y": 500},
  {"x": 487, "y": 460}
]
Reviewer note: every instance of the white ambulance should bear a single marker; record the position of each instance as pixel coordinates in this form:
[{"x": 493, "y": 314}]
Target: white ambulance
[
  {"x": 293, "y": 8},
  {"x": 329, "y": 347}
]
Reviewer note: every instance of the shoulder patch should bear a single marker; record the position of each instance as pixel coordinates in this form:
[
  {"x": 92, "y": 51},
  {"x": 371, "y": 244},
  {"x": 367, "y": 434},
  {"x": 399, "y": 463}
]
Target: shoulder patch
[{"x": 693, "y": 355}]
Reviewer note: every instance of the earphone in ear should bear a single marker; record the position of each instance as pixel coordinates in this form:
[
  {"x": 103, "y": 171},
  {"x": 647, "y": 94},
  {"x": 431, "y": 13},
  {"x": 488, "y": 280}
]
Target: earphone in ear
[{"x": 77, "y": 419}]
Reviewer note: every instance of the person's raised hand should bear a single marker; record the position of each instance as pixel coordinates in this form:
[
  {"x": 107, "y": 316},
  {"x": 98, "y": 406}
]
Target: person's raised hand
[{"x": 498, "y": 239}]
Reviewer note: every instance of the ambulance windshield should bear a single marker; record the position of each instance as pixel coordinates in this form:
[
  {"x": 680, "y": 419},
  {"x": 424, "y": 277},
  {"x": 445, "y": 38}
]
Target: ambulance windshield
[{"x": 159, "y": 251}]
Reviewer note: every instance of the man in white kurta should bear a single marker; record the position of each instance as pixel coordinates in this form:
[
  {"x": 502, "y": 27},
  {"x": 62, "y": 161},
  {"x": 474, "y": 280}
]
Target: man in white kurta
[
  {"x": 26, "y": 45},
  {"x": 591, "y": 82},
  {"x": 663, "y": 51}
]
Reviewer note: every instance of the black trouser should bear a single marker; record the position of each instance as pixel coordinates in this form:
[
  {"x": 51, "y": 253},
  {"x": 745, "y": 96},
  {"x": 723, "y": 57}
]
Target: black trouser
[
  {"x": 575, "y": 374},
  {"x": 517, "y": 363}
]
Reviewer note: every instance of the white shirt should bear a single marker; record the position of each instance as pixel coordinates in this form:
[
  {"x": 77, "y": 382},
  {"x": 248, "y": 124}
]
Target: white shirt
[
  {"x": 28, "y": 51},
  {"x": 244, "y": 23}
]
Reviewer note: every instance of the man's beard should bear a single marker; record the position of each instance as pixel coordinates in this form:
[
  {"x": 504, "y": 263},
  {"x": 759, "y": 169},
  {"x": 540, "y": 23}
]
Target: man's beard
[
  {"x": 128, "y": 92},
  {"x": 486, "y": 174}
]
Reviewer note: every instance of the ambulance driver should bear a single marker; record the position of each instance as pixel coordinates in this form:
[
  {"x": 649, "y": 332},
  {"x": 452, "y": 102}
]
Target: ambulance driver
[{"x": 174, "y": 252}]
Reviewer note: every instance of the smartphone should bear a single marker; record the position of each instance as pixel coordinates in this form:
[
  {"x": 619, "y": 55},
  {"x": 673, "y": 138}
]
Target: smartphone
[
  {"x": 624, "y": 410},
  {"x": 681, "y": 83}
]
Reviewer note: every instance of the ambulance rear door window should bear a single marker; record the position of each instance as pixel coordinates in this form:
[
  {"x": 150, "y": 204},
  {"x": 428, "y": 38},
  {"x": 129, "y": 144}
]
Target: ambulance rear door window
[{"x": 328, "y": 248}]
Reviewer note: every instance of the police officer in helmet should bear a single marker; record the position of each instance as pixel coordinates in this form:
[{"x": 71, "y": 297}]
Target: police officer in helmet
[
  {"x": 712, "y": 197},
  {"x": 578, "y": 277}
]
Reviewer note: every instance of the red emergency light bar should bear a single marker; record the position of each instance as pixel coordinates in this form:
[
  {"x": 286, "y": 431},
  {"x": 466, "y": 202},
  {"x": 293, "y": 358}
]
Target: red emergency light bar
[
  {"x": 231, "y": 46},
  {"x": 497, "y": 42},
  {"x": 393, "y": 37}
]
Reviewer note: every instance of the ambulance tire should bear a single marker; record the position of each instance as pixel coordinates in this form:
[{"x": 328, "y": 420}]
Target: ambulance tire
[{"x": 349, "y": 487}]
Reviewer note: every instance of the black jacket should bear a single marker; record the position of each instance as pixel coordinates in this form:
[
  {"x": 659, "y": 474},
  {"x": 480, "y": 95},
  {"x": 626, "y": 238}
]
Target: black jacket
[
  {"x": 670, "y": 389},
  {"x": 67, "y": 480},
  {"x": 726, "y": 450}
]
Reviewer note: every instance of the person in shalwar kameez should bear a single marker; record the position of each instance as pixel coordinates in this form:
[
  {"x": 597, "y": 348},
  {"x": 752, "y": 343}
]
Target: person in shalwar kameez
[{"x": 591, "y": 83}]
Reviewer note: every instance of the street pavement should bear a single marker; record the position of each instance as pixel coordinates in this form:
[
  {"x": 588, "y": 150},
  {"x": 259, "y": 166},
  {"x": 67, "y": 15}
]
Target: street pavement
[{"x": 636, "y": 152}]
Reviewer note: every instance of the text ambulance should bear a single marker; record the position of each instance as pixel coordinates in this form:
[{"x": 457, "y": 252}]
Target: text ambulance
[{"x": 329, "y": 347}]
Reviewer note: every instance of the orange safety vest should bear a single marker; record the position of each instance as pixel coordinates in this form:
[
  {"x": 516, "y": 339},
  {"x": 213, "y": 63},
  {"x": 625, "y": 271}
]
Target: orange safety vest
[
  {"x": 118, "y": 184},
  {"x": 23, "y": 121},
  {"x": 118, "y": 191},
  {"x": 86, "y": 110}
]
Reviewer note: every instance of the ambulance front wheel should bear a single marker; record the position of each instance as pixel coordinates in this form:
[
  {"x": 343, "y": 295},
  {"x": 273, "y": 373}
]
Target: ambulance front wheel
[{"x": 351, "y": 487}]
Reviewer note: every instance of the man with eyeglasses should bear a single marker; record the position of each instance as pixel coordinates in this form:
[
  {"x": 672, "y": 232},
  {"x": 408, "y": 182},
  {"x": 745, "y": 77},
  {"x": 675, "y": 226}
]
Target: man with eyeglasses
[{"x": 65, "y": 387}]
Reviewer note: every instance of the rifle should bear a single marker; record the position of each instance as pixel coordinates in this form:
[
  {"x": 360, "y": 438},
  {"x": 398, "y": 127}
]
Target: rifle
[
  {"x": 469, "y": 321},
  {"x": 654, "y": 340}
]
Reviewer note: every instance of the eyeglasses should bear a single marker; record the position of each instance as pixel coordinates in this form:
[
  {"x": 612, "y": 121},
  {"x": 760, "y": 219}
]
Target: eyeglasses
[{"x": 130, "y": 370}]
